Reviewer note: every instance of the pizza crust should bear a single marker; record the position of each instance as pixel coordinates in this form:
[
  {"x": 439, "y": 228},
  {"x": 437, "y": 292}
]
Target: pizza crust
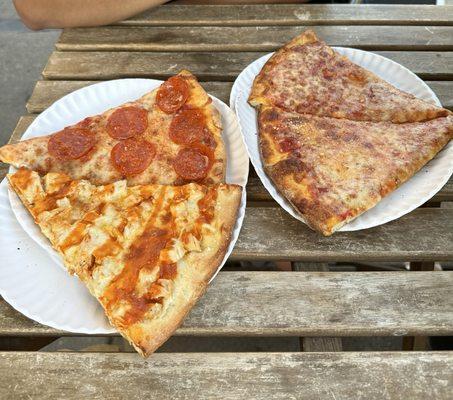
[
  {"x": 195, "y": 285},
  {"x": 337, "y": 169},
  {"x": 261, "y": 85},
  {"x": 307, "y": 76},
  {"x": 80, "y": 219},
  {"x": 310, "y": 100}
]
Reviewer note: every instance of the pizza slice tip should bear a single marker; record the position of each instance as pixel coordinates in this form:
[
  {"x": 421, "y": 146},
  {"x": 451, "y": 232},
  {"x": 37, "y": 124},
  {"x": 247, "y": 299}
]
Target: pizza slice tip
[
  {"x": 309, "y": 77},
  {"x": 171, "y": 135},
  {"x": 146, "y": 252}
]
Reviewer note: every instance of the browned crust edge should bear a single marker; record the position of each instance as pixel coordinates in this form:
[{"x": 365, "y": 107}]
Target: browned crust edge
[
  {"x": 207, "y": 267},
  {"x": 259, "y": 86},
  {"x": 320, "y": 224}
]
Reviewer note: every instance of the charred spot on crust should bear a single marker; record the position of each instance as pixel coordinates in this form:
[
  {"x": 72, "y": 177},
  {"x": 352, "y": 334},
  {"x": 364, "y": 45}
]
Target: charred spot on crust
[
  {"x": 350, "y": 137},
  {"x": 357, "y": 76},
  {"x": 265, "y": 150},
  {"x": 289, "y": 166},
  {"x": 269, "y": 115}
]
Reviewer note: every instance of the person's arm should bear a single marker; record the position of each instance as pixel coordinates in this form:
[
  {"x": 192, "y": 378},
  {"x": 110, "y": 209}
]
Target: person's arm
[{"x": 41, "y": 14}]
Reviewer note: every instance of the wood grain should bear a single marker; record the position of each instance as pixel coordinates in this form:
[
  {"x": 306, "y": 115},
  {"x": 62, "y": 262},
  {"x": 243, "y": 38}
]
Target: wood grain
[
  {"x": 277, "y": 376},
  {"x": 317, "y": 343},
  {"x": 307, "y": 304},
  {"x": 47, "y": 92},
  {"x": 22, "y": 125},
  {"x": 222, "y": 66},
  {"x": 293, "y": 14},
  {"x": 256, "y": 38},
  {"x": 269, "y": 233}
]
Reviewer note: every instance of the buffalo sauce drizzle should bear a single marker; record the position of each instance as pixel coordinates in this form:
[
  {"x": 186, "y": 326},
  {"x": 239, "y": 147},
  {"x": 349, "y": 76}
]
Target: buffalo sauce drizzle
[
  {"x": 50, "y": 201},
  {"x": 144, "y": 253},
  {"x": 78, "y": 233},
  {"x": 22, "y": 178},
  {"x": 206, "y": 206},
  {"x": 109, "y": 248}
]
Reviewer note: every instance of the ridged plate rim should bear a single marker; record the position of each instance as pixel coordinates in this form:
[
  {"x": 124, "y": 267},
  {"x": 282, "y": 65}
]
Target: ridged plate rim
[
  {"x": 19, "y": 228},
  {"x": 412, "y": 194}
]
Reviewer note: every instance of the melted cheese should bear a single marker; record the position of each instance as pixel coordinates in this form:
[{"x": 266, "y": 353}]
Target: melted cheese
[{"x": 129, "y": 244}]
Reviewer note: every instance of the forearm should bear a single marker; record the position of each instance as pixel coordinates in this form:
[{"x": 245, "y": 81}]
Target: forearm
[{"x": 40, "y": 14}]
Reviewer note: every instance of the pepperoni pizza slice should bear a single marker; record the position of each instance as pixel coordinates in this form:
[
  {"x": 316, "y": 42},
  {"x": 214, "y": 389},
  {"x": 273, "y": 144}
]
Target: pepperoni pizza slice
[
  {"x": 309, "y": 77},
  {"x": 145, "y": 252},
  {"x": 170, "y": 136},
  {"x": 332, "y": 170}
]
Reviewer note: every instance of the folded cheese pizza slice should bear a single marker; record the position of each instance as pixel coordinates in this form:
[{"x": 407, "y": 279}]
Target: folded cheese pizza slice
[
  {"x": 170, "y": 136},
  {"x": 309, "y": 77},
  {"x": 332, "y": 170},
  {"x": 145, "y": 252}
]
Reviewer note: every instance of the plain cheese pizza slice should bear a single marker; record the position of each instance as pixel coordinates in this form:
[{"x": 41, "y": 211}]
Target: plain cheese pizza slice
[
  {"x": 332, "y": 170},
  {"x": 309, "y": 77},
  {"x": 145, "y": 252},
  {"x": 169, "y": 136}
]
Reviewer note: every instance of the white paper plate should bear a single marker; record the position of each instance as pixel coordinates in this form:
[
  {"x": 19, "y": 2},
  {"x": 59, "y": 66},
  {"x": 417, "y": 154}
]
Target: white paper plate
[
  {"x": 419, "y": 189},
  {"x": 30, "y": 278}
]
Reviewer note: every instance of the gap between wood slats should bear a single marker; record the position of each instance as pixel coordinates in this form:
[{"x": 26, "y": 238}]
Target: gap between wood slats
[
  {"x": 269, "y": 233},
  {"x": 229, "y": 376},
  {"x": 215, "y": 66},
  {"x": 291, "y": 14},
  {"x": 259, "y": 38},
  {"x": 307, "y": 304}
]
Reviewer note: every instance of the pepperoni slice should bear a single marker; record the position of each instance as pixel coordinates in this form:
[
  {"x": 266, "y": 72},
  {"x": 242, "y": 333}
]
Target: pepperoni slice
[
  {"x": 188, "y": 126},
  {"x": 127, "y": 122},
  {"x": 71, "y": 143},
  {"x": 192, "y": 163},
  {"x": 132, "y": 156},
  {"x": 172, "y": 94}
]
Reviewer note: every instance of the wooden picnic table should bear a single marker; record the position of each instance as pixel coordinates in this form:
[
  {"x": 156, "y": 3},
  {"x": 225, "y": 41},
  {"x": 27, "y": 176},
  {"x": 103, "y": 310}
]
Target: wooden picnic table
[{"x": 216, "y": 43}]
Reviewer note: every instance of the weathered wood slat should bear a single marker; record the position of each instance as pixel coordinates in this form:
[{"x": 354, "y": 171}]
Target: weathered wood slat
[
  {"x": 269, "y": 233},
  {"x": 257, "y": 38},
  {"x": 255, "y": 189},
  {"x": 222, "y": 66},
  {"x": 293, "y": 14},
  {"x": 358, "y": 375},
  {"x": 308, "y": 343},
  {"x": 22, "y": 125},
  {"x": 47, "y": 92},
  {"x": 305, "y": 304}
]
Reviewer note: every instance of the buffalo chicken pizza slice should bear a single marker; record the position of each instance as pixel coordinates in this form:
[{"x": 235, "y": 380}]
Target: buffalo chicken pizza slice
[
  {"x": 145, "y": 252},
  {"x": 169, "y": 136},
  {"x": 332, "y": 170},
  {"x": 308, "y": 77}
]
